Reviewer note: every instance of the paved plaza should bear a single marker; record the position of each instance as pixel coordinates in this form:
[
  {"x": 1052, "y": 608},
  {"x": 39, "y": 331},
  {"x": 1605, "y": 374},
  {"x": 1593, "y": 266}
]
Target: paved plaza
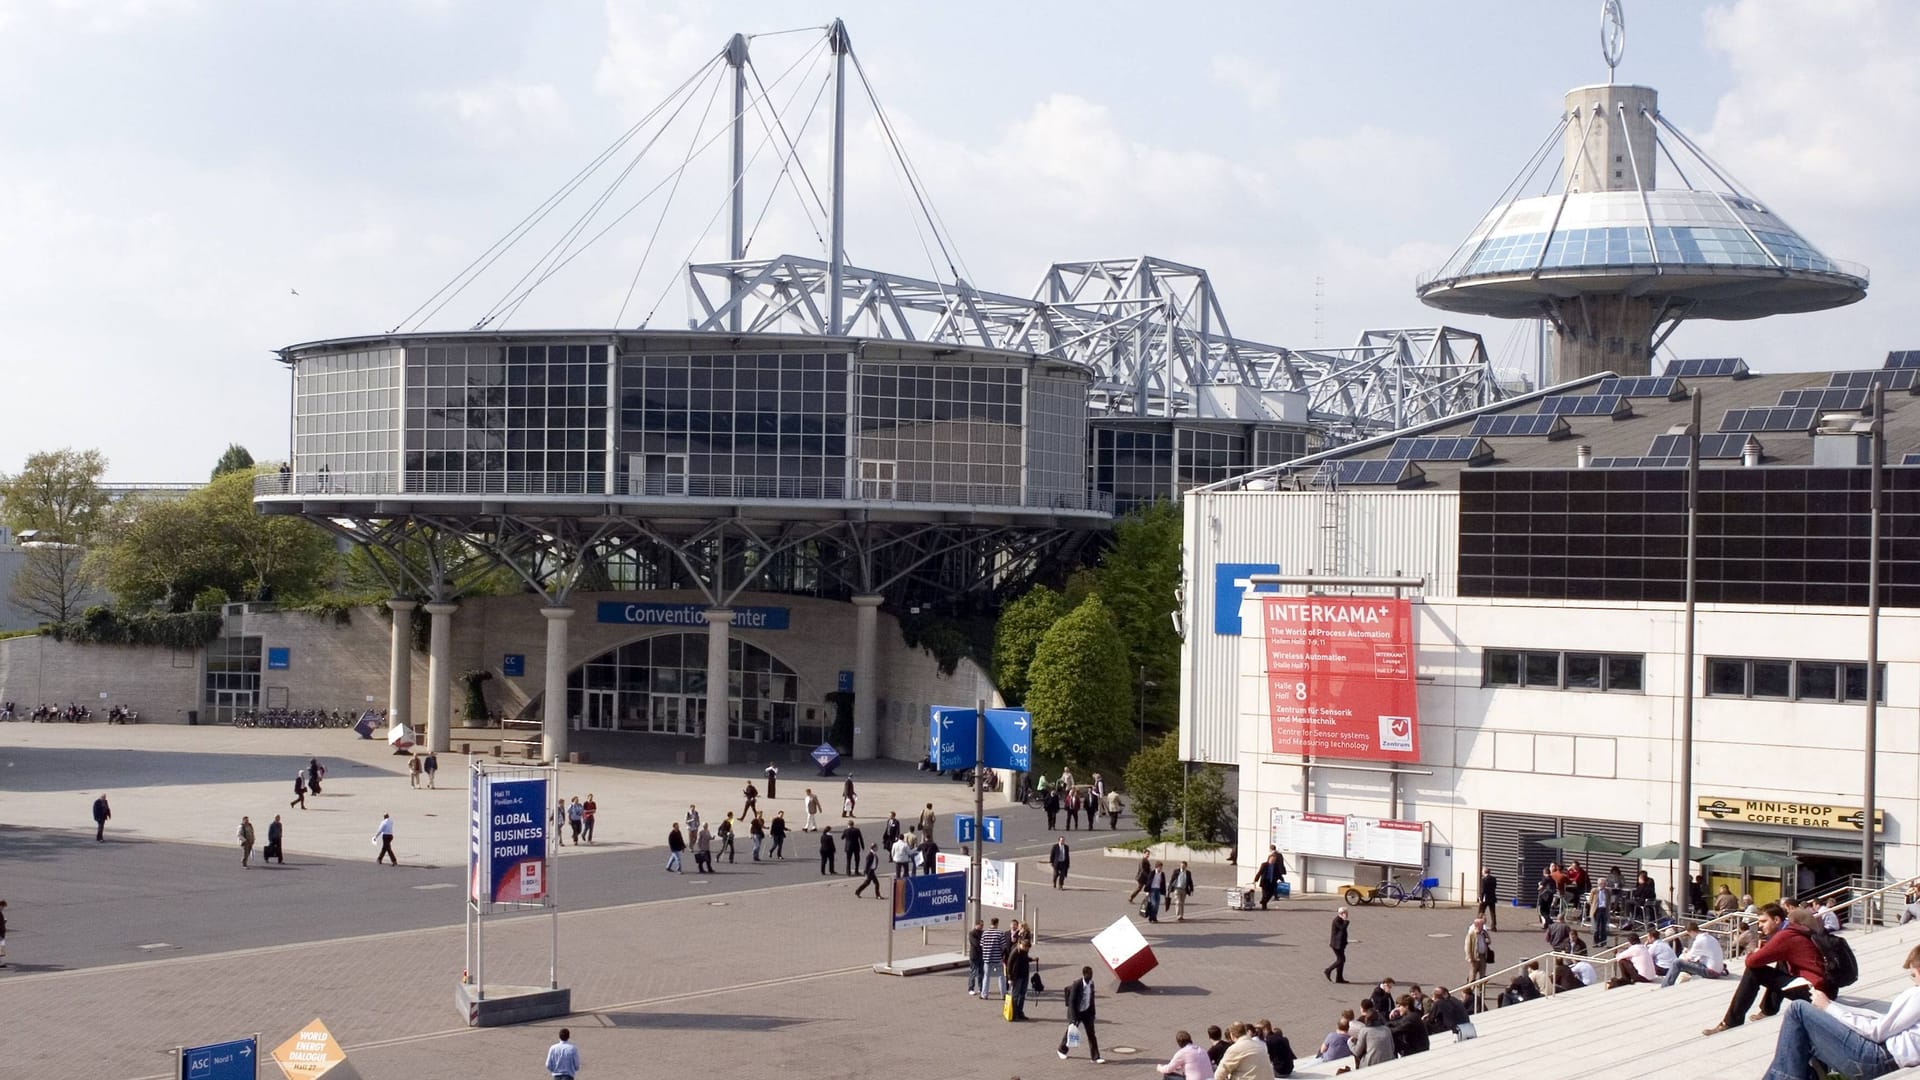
[{"x": 158, "y": 937}]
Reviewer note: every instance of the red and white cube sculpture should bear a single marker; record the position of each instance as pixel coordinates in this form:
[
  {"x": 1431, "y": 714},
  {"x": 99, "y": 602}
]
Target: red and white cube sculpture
[{"x": 1125, "y": 951}]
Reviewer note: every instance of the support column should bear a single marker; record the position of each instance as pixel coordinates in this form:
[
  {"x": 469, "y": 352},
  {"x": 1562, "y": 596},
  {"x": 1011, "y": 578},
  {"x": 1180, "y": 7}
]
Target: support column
[
  {"x": 400, "y": 663},
  {"x": 554, "y": 724},
  {"x": 866, "y": 727},
  {"x": 439, "y": 677},
  {"x": 719, "y": 627}
]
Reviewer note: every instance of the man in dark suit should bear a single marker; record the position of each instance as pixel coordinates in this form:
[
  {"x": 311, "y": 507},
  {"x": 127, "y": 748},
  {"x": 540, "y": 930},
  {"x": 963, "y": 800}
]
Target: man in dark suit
[
  {"x": 1489, "y": 899},
  {"x": 1337, "y": 941},
  {"x": 101, "y": 812},
  {"x": 1060, "y": 858},
  {"x": 1080, "y": 1011}
]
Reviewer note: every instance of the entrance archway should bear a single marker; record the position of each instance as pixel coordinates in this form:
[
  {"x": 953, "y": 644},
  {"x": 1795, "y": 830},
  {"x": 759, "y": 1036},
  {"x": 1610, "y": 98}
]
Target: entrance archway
[{"x": 659, "y": 684}]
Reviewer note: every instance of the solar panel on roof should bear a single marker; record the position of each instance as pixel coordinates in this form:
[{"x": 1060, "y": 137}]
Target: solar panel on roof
[
  {"x": 1586, "y": 405},
  {"x": 1374, "y": 471},
  {"x": 1714, "y": 366},
  {"x": 1903, "y": 359},
  {"x": 1906, "y": 379},
  {"x": 1826, "y": 398},
  {"x": 1638, "y": 463},
  {"x": 1515, "y": 424},
  {"x": 1770, "y": 418},
  {"x": 1647, "y": 386},
  {"x": 1910, "y": 459},
  {"x": 1440, "y": 448},
  {"x": 1713, "y": 446}
]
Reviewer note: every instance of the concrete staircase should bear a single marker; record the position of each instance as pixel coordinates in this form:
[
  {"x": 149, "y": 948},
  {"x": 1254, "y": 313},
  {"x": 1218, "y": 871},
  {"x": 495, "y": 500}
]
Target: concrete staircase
[{"x": 1636, "y": 1031}]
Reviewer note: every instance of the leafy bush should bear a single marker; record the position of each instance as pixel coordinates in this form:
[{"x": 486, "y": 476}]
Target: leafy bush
[
  {"x": 1153, "y": 781},
  {"x": 103, "y": 626}
]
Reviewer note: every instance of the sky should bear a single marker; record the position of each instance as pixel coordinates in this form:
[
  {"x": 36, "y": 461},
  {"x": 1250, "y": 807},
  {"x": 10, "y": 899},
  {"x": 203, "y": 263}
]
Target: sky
[{"x": 188, "y": 185}]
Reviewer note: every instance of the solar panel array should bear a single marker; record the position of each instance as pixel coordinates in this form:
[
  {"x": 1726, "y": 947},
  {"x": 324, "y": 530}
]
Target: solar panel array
[
  {"x": 1904, "y": 379},
  {"x": 1903, "y": 360},
  {"x": 1649, "y": 386},
  {"x": 1721, "y": 446},
  {"x": 1636, "y": 463},
  {"x": 1826, "y": 399},
  {"x": 1613, "y": 405},
  {"x": 1910, "y": 459},
  {"x": 1520, "y": 424},
  {"x": 1360, "y": 472},
  {"x": 1701, "y": 367},
  {"x": 1439, "y": 449},
  {"x": 1770, "y": 418}
]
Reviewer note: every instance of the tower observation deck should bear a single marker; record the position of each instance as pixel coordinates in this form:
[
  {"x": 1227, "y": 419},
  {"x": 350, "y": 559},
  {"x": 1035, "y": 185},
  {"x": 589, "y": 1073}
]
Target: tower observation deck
[{"x": 1613, "y": 260}]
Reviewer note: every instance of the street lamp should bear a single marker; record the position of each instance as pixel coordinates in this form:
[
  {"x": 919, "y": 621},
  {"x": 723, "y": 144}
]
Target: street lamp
[{"x": 1141, "y": 710}]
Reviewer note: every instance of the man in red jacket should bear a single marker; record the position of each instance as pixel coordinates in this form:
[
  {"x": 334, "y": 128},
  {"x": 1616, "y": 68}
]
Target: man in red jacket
[{"x": 1788, "y": 944}]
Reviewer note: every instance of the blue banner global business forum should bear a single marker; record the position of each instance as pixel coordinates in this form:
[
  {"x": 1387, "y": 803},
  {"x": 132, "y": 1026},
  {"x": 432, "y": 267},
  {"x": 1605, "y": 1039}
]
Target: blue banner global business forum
[{"x": 744, "y": 618}]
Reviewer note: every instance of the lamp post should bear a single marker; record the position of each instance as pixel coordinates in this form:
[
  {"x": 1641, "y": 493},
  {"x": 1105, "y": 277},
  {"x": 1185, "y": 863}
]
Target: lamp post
[{"x": 1140, "y": 710}]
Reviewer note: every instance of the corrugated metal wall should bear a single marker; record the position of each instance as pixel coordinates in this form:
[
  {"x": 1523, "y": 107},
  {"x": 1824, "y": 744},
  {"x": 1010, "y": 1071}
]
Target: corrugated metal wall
[{"x": 1336, "y": 532}]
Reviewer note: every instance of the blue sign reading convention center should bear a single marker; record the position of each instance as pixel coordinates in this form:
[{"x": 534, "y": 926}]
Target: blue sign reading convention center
[{"x": 744, "y": 618}]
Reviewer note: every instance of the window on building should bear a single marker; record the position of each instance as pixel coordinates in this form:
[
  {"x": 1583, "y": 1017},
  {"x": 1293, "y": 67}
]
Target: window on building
[
  {"x": 1798, "y": 680},
  {"x": 1570, "y": 670}
]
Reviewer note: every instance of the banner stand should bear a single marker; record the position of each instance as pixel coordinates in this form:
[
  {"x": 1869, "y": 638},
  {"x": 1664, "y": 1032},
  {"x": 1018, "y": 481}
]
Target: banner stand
[
  {"x": 510, "y": 863},
  {"x": 925, "y": 900}
]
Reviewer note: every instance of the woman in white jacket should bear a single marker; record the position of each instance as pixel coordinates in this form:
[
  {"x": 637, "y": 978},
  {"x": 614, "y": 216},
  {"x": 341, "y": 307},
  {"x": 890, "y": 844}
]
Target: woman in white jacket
[{"x": 1854, "y": 1042}]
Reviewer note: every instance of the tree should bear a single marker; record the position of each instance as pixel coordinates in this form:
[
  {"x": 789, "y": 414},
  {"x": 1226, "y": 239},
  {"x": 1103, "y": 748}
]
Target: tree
[
  {"x": 1137, "y": 579},
  {"x": 271, "y": 557},
  {"x": 1203, "y": 816},
  {"x": 53, "y": 582},
  {"x": 1153, "y": 780},
  {"x": 1078, "y": 687},
  {"x": 235, "y": 459},
  {"x": 1017, "y": 635},
  {"x": 56, "y": 494}
]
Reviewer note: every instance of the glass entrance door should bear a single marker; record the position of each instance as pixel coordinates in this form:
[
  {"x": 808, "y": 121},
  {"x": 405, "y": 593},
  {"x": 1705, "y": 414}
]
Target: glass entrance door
[
  {"x": 695, "y": 711},
  {"x": 601, "y": 712},
  {"x": 664, "y": 715}
]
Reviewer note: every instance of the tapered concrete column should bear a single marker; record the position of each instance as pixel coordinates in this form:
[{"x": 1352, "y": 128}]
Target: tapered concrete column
[
  {"x": 400, "y": 663},
  {"x": 439, "y": 677},
  {"x": 866, "y": 726},
  {"x": 719, "y": 626},
  {"x": 553, "y": 715}
]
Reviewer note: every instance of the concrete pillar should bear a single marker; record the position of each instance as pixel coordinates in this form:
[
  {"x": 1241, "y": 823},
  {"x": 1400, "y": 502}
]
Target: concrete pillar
[
  {"x": 439, "y": 677},
  {"x": 1609, "y": 146},
  {"x": 553, "y": 716},
  {"x": 400, "y": 663},
  {"x": 866, "y": 725},
  {"x": 719, "y": 627}
]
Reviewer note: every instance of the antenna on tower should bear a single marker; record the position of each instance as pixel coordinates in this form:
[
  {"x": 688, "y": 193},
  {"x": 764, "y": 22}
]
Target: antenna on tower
[{"x": 1319, "y": 309}]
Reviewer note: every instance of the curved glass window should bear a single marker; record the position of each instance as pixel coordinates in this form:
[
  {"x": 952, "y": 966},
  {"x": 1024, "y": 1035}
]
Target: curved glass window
[{"x": 659, "y": 684}]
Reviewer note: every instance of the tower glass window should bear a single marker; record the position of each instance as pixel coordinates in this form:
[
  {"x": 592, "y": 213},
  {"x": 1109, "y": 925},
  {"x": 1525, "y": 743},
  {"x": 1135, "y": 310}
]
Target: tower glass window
[{"x": 517, "y": 419}]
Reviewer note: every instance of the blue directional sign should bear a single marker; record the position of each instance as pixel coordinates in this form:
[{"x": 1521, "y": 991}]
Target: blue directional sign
[
  {"x": 950, "y": 736},
  {"x": 963, "y": 828},
  {"x": 234, "y": 1059},
  {"x": 1009, "y": 740},
  {"x": 992, "y": 830}
]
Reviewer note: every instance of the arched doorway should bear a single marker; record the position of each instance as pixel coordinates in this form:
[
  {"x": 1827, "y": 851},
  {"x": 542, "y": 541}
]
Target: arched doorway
[{"x": 659, "y": 684}]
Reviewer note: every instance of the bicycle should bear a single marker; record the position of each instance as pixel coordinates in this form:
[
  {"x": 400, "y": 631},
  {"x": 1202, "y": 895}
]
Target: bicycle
[{"x": 1392, "y": 894}]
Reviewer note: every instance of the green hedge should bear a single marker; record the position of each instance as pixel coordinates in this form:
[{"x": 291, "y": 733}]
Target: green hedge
[{"x": 104, "y": 626}]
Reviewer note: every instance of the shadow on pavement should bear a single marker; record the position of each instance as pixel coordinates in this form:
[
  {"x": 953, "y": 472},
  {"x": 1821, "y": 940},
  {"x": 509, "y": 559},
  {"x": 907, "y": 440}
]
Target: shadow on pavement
[
  {"x": 28, "y": 769},
  {"x": 700, "y": 1021}
]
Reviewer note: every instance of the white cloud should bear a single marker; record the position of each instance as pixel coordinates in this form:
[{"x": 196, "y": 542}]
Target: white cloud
[
  {"x": 651, "y": 48},
  {"x": 501, "y": 112},
  {"x": 113, "y": 16},
  {"x": 1257, "y": 83},
  {"x": 1373, "y": 164}
]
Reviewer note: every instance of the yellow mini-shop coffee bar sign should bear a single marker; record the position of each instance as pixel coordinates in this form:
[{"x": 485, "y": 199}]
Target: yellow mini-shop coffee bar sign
[{"x": 1804, "y": 815}]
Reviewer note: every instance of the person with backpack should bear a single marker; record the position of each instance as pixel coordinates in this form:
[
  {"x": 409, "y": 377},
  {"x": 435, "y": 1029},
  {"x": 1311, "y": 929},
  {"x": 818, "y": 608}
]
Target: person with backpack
[
  {"x": 1852, "y": 1042},
  {"x": 1787, "y": 944}
]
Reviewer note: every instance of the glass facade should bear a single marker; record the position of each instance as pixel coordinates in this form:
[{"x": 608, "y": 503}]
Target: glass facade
[
  {"x": 766, "y": 425},
  {"x": 942, "y": 432},
  {"x": 1057, "y": 441},
  {"x": 1134, "y": 464},
  {"x": 659, "y": 684},
  {"x": 232, "y": 683},
  {"x": 1205, "y": 457},
  {"x": 1774, "y": 535},
  {"x": 346, "y": 421},
  {"x": 506, "y": 418}
]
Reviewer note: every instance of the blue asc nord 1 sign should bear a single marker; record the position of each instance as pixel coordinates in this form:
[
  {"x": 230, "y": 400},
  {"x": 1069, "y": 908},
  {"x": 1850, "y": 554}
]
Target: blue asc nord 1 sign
[
  {"x": 744, "y": 618},
  {"x": 231, "y": 1060},
  {"x": 929, "y": 900},
  {"x": 507, "y": 840}
]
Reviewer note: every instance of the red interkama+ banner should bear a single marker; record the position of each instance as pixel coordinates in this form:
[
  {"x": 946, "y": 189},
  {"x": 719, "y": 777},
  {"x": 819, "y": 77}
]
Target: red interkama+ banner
[{"x": 1340, "y": 677}]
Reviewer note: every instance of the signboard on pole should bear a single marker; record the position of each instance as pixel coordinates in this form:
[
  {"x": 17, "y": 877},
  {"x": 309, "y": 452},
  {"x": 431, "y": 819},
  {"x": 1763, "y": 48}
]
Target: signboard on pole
[
  {"x": 1310, "y": 834},
  {"x": 234, "y": 1059},
  {"x": 1009, "y": 740},
  {"x": 950, "y": 737},
  {"x": 997, "y": 877},
  {"x": 963, "y": 828},
  {"x": 1390, "y": 843},
  {"x": 507, "y": 840},
  {"x": 929, "y": 900},
  {"x": 1340, "y": 677},
  {"x": 990, "y": 829}
]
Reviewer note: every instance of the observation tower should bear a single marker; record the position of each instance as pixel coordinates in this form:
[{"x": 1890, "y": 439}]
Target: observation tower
[{"x": 1615, "y": 261}]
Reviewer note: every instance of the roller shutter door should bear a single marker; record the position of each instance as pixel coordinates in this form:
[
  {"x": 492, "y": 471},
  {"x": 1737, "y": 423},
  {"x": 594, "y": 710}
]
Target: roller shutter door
[{"x": 1510, "y": 844}]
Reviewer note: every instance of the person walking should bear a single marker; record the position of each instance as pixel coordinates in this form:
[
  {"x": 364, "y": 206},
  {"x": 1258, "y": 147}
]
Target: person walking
[
  {"x": 1156, "y": 892},
  {"x": 848, "y": 800},
  {"x": 811, "y": 804},
  {"x": 245, "y": 836},
  {"x": 1337, "y": 941},
  {"x": 563, "y": 1058},
  {"x": 703, "y": 850},
  {"x": 871, "y": 865},
  {"x": 3, "y": 933},
  {"x": 1050, "y": 802},
  {"x": 853, "y": 841},
  {"x": 725, "y": 833},
  {"x": 1479, "y": 948},
  {"x": 1070, "y": 802},
  {"x": 827, "y": 850},
  {"x": 1141, "y": 875},
  {"x": 432, "y": 766},
  {"x": 587, "y": 811},
  {"x": 778, "y": 830},
  {"x": 1489, "y": 899},
  {"x": 773, "y": 778},
  {"x": 315, "y": 772},
  {"x": 576, "y": 819},
  {"x": 902, "y": 853},
  {"x": 890, "y": 831},
  {"x": 676, "y": 844},
  {"x": 1060, "y": 858},
  {"x": 274, "y": 852},
  {"x": 101, "y": 812},
  {"x": 1180, "y": 887},
  {"x": 1080, "y": 1013},
  {"x": 929, "y": 854},
  {"x": 560, "y": 821},
  {"x": 384, "y": 837},
  {"x": 757, "y": 830},
  {"x": 299, "y": 791},
  {"x": 1113, "y": 810},
  {"x": 927, "y": 820},
  {"x": 1019, "y": 970},
  {"x": 751, "y": 797},
  {"x": 413, "y": 771},
  {"x": 693, "y": 820}
]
